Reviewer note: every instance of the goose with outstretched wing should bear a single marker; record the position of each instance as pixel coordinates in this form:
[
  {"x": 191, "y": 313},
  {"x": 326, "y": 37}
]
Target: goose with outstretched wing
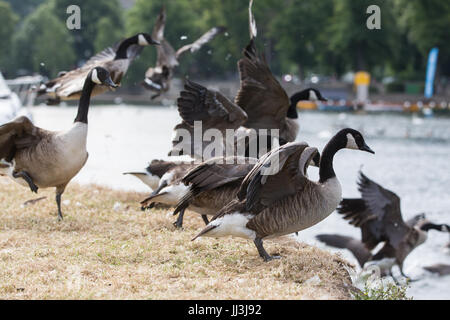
[{"x": 158, "y": 78}]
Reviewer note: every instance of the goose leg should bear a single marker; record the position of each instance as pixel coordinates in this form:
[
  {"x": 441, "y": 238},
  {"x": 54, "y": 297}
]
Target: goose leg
[
  {"x": 205, "y": 219},
  {"x": 179, "y": 223},
  {"x": 262, "y": 252},
  {"x": 59, "y": 192},
  {"x": 58, "y": 203},
  {"x": 25, "y": 176}
]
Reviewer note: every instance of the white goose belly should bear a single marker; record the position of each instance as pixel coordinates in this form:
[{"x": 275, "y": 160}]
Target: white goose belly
[{"x": 55, "y": 160}]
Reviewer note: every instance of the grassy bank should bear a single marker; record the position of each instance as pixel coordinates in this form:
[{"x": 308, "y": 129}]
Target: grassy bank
[{"x": 107, "y": 248}]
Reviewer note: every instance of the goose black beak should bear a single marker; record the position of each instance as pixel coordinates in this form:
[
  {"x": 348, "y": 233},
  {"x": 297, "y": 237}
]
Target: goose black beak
[
  {"x": 110, "y": 83},
  {"x": 155, "y": 42},
  {"x": 323, "y": 99},
  {"x": 366, "y": 148}
]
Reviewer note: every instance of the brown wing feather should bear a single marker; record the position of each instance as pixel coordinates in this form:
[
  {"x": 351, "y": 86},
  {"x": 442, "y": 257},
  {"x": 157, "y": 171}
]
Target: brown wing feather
[
  {"x": 260, "y": 94},
  {"x": 17, "y": 134},
  {"x": 196, "y": 103},
  {"x": 284, "y": 167}
]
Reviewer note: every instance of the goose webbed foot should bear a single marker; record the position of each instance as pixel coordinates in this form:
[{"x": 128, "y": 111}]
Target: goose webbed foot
[
  {"x": 25, "y": 176},
  {"x": 58, "y": 203},
  {"x": 179, "y": 222},
  {"x": 153, "y": 97},
  {"x": 262, "y": 252},
  {"x": 205, "y": 219}
]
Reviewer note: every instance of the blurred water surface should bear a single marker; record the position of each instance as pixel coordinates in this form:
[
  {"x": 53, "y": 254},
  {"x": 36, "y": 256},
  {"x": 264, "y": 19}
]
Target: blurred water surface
[{"x": 412, "y": 159}]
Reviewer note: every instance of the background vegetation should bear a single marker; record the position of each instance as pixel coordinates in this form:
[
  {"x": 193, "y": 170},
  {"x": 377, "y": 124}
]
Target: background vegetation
[{"x": 298, "y": 36}]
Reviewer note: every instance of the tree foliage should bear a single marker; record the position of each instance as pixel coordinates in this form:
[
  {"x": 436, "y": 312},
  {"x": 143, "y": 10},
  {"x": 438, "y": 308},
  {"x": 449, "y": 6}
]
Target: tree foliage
[{"x": 297, "y": 36}]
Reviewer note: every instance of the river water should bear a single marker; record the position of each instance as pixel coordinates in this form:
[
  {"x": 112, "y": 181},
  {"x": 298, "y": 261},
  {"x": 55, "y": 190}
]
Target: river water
[{"x": 412, "y": 159}]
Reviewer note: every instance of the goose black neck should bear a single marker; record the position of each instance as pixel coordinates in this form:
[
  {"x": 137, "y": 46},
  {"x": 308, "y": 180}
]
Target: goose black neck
[
  {"x": 295, "y": 98},
  {"x": 121, "y": 52},
  {"x": 326, "y": 170},
  {"x": 83, "y": 105},
  {"x": 432, "y": 226}
]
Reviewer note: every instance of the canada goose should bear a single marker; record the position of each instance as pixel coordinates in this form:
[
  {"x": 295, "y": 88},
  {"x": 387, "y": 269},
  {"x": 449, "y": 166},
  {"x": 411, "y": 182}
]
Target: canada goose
[
  {"x": 213, "y": 184},
  {"x": 40, "y": 158},
  {"x": 158, "y": 78},
  {"x": 215, "y": 111},
  {"x": 379, "y": 216},
  {"x": 276, "y": 198},
  {"x": 261, "y": 96},
  {"x": 68, "y": 85}
]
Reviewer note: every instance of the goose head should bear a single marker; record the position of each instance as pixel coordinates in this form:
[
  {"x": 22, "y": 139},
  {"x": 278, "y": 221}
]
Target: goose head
[
  {"x": 309, "y": 94},
  {"x": 101, "y": 76},
  {"x": 315, "y": 95},
  {"x": 144, "y": 39},
  {"x": 352, "y": 139}
]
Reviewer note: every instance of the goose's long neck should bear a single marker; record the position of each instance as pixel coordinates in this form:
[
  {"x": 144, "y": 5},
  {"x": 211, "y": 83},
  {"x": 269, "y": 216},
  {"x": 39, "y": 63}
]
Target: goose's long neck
[
  {"x": 295, "y": 98},
  {"x": 83, "y": 105},
  {"x": 326, "y": 170},
  {"x": 121, "y": 52}
]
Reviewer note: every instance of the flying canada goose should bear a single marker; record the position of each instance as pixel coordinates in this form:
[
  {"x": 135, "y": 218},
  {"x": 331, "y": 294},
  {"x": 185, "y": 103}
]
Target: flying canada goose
[
  {"x": 116, "y": 60},
  {"x": 276, "y": 198},
  {"x": 39, "y": 158},
  {"x": 379, "y": 216},
  {"x": 158, "y": 78}
]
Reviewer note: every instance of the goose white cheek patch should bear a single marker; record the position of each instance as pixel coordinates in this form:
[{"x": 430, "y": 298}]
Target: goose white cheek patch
[
  {"x": 312, "y": 95},
  {"x": 94, "y": 77},
  {"x": 142, "y": 41},
  {"x": 351, "y": 143}
]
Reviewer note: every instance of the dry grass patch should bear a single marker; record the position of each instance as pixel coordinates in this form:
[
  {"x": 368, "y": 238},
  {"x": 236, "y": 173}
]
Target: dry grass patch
[{"x": 107, "y": 248}]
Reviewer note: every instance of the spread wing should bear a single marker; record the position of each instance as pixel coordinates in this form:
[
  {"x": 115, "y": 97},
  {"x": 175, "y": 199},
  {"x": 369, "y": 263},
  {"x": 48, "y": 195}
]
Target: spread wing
[
  {"x": 214, "y": 110},
  {"x": 17, "y": 134},
  {"x": 251, "y": 21},
  {"x": 213, "y": 174},
  {"x": 72, "y": 82},
  {"x": 377, "y": 213},
  {"x": 197, "y": 44},
  {"x": 158, "y": 28},
  {"x": 260, "y": 94},
  {"x": 284, "y": 166},
  {"x": 196, "y": 103},
  {"x": 359, "y": 250}
]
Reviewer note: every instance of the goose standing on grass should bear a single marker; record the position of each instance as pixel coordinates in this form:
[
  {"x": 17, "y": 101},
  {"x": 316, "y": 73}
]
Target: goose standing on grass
[
  {"x": 213, "y": 184},
  {"x": 39, "y": 158},
  {"x": 157, "y": 79},
  {"x": 379, "y": 216},
  {"x": 276, "y": 198},
  {"x": 68, "y": 85}
]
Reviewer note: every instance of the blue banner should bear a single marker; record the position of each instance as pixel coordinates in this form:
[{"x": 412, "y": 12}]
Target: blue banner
[{"x": 431, "y": 71}]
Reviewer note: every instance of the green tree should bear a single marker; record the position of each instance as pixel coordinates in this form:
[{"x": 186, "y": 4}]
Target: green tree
[
  {"x": 107, "y": 34},
  {"x": 9, "y": 21},
  {"x": 92, "y": 13},
  {"x": 24, "y": 7},
  {"x": 427, "y": 25},
  {"x": 43, "y": 43},
  {"x": 351, "y": 42}
]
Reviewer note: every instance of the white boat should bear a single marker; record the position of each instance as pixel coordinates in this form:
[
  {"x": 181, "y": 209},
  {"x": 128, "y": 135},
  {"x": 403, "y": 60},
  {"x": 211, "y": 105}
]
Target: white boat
[{"x": 10, "y": 105}]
